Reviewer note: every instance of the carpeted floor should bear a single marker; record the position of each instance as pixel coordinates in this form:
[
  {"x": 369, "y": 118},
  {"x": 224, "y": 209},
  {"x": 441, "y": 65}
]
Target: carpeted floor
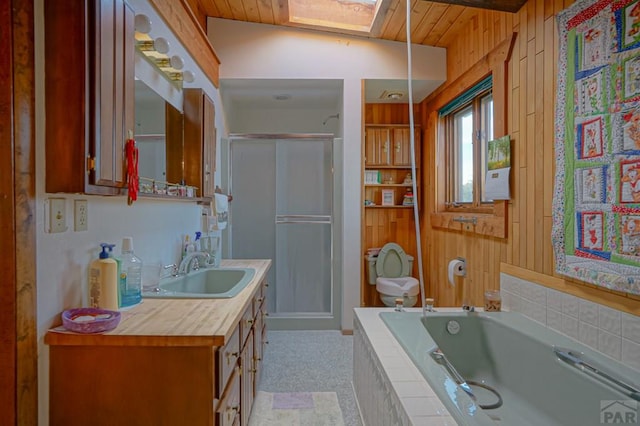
[{"x": 310, "y": 361}]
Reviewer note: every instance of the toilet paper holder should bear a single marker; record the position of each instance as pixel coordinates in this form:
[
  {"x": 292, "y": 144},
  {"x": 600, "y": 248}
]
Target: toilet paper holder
[{"x": 458, "y": 267}]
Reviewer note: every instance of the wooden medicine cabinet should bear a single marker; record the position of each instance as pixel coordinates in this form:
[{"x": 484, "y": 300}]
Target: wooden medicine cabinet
[{"x": 89, "y": 63}]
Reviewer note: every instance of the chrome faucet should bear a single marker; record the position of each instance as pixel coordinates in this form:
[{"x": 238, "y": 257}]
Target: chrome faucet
[{"x": 190, "y": 262}]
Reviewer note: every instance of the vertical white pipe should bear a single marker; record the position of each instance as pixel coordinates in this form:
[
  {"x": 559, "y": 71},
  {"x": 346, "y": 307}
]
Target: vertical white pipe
[{"x": 416, "y": 216}]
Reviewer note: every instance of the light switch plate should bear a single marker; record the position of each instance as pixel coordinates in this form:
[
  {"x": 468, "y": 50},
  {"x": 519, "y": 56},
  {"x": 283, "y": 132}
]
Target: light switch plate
[
  {"x": 57, "y": 215},
  {"x": 80, "y": 215}
]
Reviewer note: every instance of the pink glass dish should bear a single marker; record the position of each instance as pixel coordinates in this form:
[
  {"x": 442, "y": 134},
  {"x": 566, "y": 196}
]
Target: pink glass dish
[{"x": 90, "y": 320}]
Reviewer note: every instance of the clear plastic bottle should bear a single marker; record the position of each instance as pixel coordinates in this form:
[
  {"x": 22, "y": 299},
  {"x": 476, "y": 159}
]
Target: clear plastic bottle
[{"x": 130, "y": 275}]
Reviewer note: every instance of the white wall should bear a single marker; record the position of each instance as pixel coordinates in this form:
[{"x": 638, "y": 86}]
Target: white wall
[
  {"x": 258, "y": 51},
  {"x": 282, "y": 120}
]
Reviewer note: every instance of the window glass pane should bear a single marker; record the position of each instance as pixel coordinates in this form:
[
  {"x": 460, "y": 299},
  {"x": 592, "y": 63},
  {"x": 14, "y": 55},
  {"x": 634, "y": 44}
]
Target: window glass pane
[
  {"x": 486, "y": 111},
  {"x": 463, "y": 142}
]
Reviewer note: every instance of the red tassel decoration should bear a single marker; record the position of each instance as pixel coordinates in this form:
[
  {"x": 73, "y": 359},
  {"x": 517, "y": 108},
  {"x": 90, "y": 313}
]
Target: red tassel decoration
[{"x": 131, "y": 152}]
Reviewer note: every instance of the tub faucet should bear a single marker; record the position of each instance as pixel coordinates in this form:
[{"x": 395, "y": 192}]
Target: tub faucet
[{"x": 190, "y": 262}]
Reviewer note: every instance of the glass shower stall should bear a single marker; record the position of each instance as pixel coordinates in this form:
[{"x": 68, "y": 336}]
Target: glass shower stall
[{"x": 282, "y": 209}]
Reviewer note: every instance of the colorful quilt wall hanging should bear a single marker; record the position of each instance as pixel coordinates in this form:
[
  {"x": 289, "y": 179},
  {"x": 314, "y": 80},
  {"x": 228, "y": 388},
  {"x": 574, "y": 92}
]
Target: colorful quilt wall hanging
[{"x": 596, "y": 204}]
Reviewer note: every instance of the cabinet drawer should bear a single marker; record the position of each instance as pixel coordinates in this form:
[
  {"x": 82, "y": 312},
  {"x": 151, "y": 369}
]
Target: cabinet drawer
[
  {"x": 227, "y": 360},
  {"x": 227, "y": 411}
]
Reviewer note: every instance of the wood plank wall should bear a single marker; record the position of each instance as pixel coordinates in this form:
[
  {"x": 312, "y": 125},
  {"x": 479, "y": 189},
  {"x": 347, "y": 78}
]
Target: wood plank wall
[
  {"x": 380, "y": 226},
  {"x": 8, "y": 343},
  {"x": 531, "y": 106},
  {"x": 18, "y": 333}
]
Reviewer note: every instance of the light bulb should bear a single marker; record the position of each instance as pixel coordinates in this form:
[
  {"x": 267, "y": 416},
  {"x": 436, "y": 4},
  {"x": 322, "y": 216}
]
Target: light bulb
[
  {"x": 188, "y": 76},
  {"x": 176, "y": 62},
  {"x": 161, "y": 45},
  {"x": 142, "y": 23}
]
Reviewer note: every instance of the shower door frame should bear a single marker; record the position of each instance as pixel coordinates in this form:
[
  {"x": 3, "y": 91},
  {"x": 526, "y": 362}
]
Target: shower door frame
[{"x": 305, "y": 321}]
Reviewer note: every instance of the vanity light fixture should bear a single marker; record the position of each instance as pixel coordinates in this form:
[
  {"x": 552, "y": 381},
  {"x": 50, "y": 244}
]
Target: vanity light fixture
[
  {"x": 175, "y": 62},
  {"x": 175, "y": 76},
  {"x": 142, "y": 23},
  {"x": 145, "y": 45},
  {"x": 160, "y": 45}
]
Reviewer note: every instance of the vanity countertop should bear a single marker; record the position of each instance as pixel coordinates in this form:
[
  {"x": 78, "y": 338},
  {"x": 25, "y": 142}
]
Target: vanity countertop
[{"x": 175, "y": 322}]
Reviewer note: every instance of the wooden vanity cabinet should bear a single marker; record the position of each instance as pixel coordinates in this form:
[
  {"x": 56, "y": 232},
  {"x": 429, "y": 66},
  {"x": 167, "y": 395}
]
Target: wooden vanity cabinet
[
  {"x": 147, "y": 380},
  {"x": 246, "y": 361},
  {"x": 199, "y": 141},
  {"x": 89, "y": 94}
]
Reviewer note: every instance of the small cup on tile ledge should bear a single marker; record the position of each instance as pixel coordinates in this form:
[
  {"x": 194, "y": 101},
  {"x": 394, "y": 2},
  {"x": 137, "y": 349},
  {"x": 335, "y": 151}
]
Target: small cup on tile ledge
[{"x": 492, "y": 301}]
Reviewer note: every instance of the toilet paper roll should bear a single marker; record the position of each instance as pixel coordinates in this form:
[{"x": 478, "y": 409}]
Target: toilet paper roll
[{"x": 456, "y": 267}]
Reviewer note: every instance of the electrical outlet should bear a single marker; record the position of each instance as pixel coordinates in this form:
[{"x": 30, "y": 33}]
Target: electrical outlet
[
  {"x": 80, "y": 215},
  {"x": 57, "y": 215}
]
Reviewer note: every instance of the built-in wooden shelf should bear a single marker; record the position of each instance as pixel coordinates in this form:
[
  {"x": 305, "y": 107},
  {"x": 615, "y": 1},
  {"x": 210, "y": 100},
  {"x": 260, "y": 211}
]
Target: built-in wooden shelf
[
  {"x": 405, "y": 185},
  {"x": 388, "y": 207}
]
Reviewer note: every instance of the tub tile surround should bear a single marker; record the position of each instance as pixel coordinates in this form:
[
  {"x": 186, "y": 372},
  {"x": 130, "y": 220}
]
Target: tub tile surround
[
  {"x": 389, "y": 387},
  {"x": 612, "y": 332}
]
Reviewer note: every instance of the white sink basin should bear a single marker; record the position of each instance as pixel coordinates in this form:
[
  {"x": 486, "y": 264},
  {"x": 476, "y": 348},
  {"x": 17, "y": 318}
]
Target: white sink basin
[{"x": 213, "y": 283}]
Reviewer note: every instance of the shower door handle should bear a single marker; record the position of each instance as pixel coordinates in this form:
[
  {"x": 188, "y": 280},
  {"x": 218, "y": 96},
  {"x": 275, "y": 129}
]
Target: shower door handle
[{"x": 301, "y": 218}]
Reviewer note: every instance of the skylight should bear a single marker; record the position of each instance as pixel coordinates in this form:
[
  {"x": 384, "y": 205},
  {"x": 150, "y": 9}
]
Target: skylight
[{"x": 351, "y": 15}]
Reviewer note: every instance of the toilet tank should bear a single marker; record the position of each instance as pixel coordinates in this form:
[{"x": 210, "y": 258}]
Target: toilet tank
[{"x": 372, "y": 275}]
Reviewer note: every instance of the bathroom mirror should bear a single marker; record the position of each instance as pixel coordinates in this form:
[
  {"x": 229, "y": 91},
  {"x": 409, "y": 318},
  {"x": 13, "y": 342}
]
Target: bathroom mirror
[{"x": 158, "y": 134}]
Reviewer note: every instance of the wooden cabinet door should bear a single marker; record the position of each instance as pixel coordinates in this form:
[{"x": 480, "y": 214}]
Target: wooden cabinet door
[
  {"x": 199, "y": 141},
  {"x": 376, "y": 147},
  {"x": 89, "y": 85},
  {"x": 228, "y": 408},
  {"x": 248, "y": 379},
  {"x": 209, "y": 146},
  {"x": 258, "y": 348},
  {"x": 114, "y": 80},
  {"x": 401, "y": 151}
]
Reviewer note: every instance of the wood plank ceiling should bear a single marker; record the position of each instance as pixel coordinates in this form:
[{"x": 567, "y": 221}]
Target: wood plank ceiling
[{"x": 432, "y": 23}]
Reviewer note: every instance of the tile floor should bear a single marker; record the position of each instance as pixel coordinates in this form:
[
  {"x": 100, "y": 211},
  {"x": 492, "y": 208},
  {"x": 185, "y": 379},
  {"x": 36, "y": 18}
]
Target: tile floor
[{"x": 311, "y": 361}]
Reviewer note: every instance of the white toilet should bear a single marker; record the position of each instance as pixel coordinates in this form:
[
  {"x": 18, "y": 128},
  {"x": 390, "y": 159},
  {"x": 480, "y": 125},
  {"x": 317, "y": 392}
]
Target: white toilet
[{"x": 390, "y": 272}]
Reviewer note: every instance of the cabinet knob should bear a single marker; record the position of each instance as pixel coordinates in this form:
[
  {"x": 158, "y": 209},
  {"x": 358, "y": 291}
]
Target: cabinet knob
[
  {"x": 250, "y": 321},
  {"x": 260, "y": 299}
]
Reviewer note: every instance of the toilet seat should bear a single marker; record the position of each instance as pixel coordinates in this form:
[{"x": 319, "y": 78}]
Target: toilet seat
[
  {"x": 392, "y": 262},
  {"x": 397, "y": 286}
]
